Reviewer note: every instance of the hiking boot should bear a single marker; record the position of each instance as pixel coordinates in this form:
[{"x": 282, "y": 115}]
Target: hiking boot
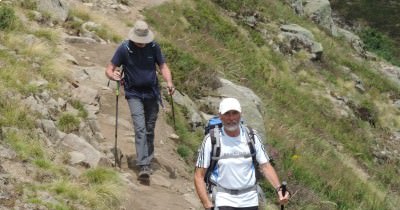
[
  {"x": 144, "y": 172},
  {"x": 150, "y": 169}
]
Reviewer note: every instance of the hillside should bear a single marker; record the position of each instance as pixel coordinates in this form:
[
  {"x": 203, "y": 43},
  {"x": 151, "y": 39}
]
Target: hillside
[
  {"x": 377, "y": 14},
  {"x": 83, "y": 66},
  {"x": 330, "y": 109},
  {"x": 377, "y": 18}
]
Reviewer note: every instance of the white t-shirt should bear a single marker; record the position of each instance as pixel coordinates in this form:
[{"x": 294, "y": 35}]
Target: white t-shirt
[{"x": 235, "y": 168}]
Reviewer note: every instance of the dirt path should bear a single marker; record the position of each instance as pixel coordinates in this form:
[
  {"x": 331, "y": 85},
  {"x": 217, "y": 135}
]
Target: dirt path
[{"x": 171, "y": 184}]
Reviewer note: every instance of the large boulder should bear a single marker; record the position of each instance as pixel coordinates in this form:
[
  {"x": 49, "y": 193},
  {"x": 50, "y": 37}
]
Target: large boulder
[
  {"x": 354, "y": 40},
  {"x": 319, "y": 11},
  {"x": 294, "y": 38},
  {"x": 75, "y": 145},
  {"x": 297, "y": 6},
  {"x": 58, "y": 9},
  {"x": 252, "y": 112},
  {"x": 195, "y": 120}
]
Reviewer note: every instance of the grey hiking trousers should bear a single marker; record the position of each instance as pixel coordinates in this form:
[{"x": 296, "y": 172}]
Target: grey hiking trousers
[{"x": 144, "y": 116}]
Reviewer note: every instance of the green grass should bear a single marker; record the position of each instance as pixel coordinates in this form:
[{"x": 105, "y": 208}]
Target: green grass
[
  {"x": 83, "y": 113},
  {"x": 43, "y": 163},
  {"x": 184, "y": 151},
  {"x": 8, "y": 18},
  {"x": 26, "y": 146},
  {"x": 97, "y": 188},
  {"x": 103, "y": 190},
  {"x": 48, "y": 34},
  {"x": 68, "y": 123},
  {"x": 29, "y": 4},
  {"x": 66, "y": 188},
  {"x": 381, "y": 44},
  {"x": 100, "y": 176},
  {"x": 188, "y": 140},
  {"x": 104, "y": 33},
  {"x": 78, "y": 16},
  {"x": 13, "y": 114},
  {"x": 379, "y": 34},
  {"x": 55, "y": 206},
  {"x": 202, "y": 78},
  {"x": 18, "y": 73}
]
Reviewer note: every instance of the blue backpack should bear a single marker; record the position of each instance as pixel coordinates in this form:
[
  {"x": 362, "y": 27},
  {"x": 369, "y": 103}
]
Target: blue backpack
[
  {"x": 212, "y": 123},
  {"x": 216, "y": 123}
]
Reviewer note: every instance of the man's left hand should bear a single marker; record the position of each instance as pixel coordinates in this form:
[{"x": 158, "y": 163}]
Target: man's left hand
[
  {"x": 283, "y": 199},
  {"x": 171, "y": 90}
]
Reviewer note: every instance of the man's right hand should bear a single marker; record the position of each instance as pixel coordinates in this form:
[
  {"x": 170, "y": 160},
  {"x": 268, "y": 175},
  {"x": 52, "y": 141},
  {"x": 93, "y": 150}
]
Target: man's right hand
[
  {"x": 116, "y": 75},
  {"x": 209, "y": 205}
]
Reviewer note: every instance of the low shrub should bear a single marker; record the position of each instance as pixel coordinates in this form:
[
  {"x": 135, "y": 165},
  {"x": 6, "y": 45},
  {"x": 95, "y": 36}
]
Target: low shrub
[{"x": 7, "y": 18}]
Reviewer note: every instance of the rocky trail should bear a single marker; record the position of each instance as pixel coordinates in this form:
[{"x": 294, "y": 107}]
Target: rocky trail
[{"x": 171, "y": 185}]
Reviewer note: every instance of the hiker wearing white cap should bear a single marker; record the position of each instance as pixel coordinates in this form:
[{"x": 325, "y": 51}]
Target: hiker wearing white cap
[
  {"x": 139, "y": 55},
  {"x": 230, "y": 184}
]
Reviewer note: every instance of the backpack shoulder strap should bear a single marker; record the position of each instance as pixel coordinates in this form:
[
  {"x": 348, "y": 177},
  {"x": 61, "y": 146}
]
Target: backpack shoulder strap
[
  {"x": 251, "y": 142},
  {"x": 215, "y": 152},
  {"x": 153, "y": 45},
  {"x": 125, "y": 43},
  {"x": 216, "y": 142}
]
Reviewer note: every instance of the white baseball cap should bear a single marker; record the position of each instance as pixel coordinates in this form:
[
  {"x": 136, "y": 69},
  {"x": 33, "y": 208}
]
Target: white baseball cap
[{"x": 228, "y": 104}]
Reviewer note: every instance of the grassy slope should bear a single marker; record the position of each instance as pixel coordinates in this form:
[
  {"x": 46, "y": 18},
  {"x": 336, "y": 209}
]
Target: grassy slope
[
  {"x": 381, "y": 16},
  {"x": 197, "y": 37},
  {"x": 20, "y": 64}
]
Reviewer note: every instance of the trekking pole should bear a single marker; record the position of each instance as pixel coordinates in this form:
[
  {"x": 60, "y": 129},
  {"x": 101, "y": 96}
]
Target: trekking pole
[
  {"x": 283, "y": 193},
  {"x": 173, "y": 111},
  {"x": 116, "y": 123}
]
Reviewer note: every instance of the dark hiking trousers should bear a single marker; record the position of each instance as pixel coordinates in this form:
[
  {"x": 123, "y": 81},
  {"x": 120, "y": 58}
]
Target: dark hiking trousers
[{"x": 144, "y": 116}]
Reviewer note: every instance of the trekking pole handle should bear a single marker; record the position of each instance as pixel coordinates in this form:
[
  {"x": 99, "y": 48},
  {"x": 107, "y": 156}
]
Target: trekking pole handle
[
  {"x": 118, "y": 82},
  {"x": 117, "y": 90},
  {"x": 283, "y": 187}
]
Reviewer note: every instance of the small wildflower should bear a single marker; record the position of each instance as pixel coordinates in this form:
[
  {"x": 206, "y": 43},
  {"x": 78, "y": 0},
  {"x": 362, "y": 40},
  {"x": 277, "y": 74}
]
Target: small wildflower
[{"x": 295, "y": 157}]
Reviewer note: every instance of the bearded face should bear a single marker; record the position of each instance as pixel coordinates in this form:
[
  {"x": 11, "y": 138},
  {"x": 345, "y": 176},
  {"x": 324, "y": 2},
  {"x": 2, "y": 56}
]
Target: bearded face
[
  {"x": 231, "y": 120},
  {"x": 231, "y": 126}
]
